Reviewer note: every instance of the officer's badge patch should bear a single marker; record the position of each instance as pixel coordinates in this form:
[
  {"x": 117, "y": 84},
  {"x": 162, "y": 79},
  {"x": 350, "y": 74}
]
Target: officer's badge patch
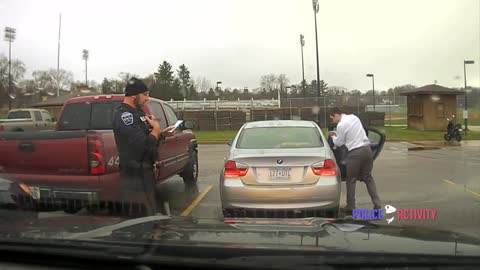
[{"x": 127, "y": 118}]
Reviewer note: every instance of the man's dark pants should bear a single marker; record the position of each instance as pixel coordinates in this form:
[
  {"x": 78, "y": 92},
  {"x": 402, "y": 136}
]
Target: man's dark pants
[
  {"x": 138, "y": 191},
  {"x": 359, "y": 167}
]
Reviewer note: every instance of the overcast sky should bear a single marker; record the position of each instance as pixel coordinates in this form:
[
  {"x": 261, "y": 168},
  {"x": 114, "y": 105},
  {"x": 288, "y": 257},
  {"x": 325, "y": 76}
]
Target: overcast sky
[{"x": 237, "y": 41}]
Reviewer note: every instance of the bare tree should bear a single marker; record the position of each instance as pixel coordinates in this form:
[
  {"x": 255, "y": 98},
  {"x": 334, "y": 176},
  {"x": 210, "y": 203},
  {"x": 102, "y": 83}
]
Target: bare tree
[
  {"x": 355, "y": 93},
  {"x": 336, "y": 90},
  {"x": 62, "y": 79},
  {"x": 18, "y": 71},
  {"x": 282, "y": 82},
  {"x": 118, "y": 86},
  {"x": 125, "y": 76},
  {"x": 150, "y": 80},
  {"x": 51, "y": 80},
  {"x": 43, "y": 80},
  {"x": 268, "y": 82},
  {"x": 203, "y": 84}
]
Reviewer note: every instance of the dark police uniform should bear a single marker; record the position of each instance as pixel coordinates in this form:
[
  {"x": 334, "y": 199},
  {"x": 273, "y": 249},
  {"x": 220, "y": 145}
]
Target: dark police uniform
[{"x": 137, "y": 151}]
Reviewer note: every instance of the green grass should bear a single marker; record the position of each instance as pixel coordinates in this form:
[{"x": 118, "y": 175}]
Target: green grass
[
  {"x": 392, "y": 133},
  {"x": 395, "y": 122},
  {"x": 474, "y": 122},
  {"x": 223, "y": 135},
  {"x": 404, "y": 134}
]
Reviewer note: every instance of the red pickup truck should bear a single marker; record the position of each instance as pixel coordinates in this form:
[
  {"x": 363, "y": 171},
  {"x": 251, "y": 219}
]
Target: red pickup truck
[{"x": 79, "y": 161}]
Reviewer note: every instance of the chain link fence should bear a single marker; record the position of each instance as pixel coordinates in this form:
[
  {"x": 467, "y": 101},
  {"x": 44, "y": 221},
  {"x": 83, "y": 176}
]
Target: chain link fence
[
  {"x": 395, "y": 108},
  {"x": 392, "y": 108}
]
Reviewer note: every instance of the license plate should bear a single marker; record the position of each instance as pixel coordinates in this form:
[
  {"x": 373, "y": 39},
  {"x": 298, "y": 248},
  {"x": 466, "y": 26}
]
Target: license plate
[
  {"x": 280, "y": 173},
  {"x": 35, "y": 192}
]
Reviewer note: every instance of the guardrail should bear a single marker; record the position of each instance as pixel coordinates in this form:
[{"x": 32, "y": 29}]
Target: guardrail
[{"x": 223, "y": 104}]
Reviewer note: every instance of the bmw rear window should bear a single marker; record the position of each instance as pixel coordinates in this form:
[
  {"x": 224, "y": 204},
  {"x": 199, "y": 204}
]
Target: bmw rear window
[{"x": 279, "y": 138}]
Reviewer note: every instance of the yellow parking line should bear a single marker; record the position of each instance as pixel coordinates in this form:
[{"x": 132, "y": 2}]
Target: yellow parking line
[
  {"x": 449, "y": 182},
  {"x": 195, "y": 202},
  {"x": 473, "y": 192},
  {"x": 466, "y": 189}
]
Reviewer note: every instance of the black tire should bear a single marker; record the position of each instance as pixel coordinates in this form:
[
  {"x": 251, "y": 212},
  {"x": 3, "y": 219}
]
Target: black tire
[
  {"x": 458, "y": 137},
  {"x": 447, "y": 138},
  {"x": 73, "y": 206},
  {"x": 227, "y": 213},
  {"x": 72, "y": 210},
  {"x": 332, "y": 213},
  {"x": 190, "y": 172}
]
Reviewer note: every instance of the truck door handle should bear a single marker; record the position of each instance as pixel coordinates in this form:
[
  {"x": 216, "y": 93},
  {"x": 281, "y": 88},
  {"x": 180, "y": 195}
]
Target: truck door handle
[{"x": 26, "y": 147}]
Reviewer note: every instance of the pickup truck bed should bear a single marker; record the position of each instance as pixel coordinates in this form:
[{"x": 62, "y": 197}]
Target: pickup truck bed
[
  {"x": 79, "y": 160},
  {"x": 57, "y": 163},
  {"x": 27, "y": 120}
]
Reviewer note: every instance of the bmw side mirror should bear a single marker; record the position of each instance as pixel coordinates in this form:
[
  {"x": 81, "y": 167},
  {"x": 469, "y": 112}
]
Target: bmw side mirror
[{"x": 230, "y": 142}]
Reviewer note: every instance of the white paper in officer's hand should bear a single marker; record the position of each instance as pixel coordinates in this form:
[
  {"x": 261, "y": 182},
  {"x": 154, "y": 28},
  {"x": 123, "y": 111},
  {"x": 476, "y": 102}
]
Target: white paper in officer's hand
[{"x": 177, "y": 124}]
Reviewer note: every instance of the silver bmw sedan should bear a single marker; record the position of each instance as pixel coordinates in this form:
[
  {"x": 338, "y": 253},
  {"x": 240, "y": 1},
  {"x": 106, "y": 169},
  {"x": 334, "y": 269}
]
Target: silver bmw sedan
[{"x": 280, "y": 168}]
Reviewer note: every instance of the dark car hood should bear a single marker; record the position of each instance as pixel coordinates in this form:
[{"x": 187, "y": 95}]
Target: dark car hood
[{"x": 301, "y": 234}]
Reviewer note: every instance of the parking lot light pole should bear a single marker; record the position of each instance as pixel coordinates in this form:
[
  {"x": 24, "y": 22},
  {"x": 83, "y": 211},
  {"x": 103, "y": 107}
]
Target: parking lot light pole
[
  {"x": 373, "y": 88},
  {"x": 10, "y": 34},
  {"x": 302, "y": 43},
  {"x": 465, "y": 110},
  {"x": 315, "y": 11},
  {"x": 85, "y": 56}
]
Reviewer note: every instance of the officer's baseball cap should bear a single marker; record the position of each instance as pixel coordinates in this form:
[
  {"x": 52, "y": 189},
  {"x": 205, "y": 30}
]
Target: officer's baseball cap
[{"x": 135, "y": 87}]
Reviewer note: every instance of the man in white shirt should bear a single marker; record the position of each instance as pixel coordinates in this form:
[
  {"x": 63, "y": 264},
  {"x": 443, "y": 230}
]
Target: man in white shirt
[{"x": 350, "y": 132}]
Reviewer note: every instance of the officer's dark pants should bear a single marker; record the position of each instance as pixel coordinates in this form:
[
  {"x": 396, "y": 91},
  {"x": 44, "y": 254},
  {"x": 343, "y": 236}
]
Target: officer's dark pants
[
  {"x": 138, "y": 191},
  {"x": 359, "y": 167}
]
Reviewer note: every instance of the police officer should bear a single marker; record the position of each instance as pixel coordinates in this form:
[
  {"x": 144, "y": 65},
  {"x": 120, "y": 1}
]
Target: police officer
[{"x": 137, "y": 136}]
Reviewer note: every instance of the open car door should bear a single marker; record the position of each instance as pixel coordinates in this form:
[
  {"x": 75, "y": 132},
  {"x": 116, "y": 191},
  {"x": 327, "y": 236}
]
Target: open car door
[{"x": 376, "y": 138}]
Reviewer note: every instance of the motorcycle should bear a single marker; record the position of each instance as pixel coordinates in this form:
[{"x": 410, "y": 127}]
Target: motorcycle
[{"x": 454, "y": 131}]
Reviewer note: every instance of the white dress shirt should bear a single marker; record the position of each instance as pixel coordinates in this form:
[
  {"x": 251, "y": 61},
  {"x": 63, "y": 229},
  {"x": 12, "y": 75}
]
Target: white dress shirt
[{"x": 350, "y": 133}]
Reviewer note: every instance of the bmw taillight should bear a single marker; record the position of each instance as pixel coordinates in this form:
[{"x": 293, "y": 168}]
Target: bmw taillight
[
  {"x": 325, "y": 168},
  {"x": 234, "y": 169},
  {"x": 96, "y": 158}
]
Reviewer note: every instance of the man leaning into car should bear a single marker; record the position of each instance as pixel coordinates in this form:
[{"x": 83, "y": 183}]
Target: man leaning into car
[{"x": 351, "y": 133}]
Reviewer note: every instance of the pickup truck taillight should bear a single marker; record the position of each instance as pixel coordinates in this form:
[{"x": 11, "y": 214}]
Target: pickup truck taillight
[
  {"x": 96, "y": 158},
  {"x": 234, "y": 169}
]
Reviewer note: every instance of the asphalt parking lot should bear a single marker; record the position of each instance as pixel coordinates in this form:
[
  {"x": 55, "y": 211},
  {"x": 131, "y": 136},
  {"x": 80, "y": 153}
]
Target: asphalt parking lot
[
  {"x": 421, "y": 176},
  {"x": 408, "y": 176}
]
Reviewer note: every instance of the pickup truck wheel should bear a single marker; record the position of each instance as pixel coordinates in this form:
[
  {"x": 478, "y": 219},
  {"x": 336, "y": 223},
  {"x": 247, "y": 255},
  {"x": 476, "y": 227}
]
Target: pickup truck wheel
[
  {"x": 190, "y": 172},
  {"x": 72, "y": 210}
]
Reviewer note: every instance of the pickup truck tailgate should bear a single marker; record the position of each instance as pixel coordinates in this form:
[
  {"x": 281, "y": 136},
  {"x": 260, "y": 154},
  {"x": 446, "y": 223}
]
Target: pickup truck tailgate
[{"x": 55, "y": 152}]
